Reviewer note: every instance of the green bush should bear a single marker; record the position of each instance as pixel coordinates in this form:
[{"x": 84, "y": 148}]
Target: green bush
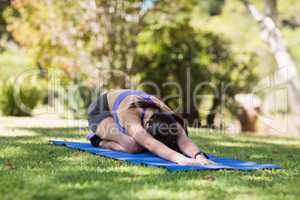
[
  {"x": 18, "y": 101},
  {"x": 80, "y": 99}
]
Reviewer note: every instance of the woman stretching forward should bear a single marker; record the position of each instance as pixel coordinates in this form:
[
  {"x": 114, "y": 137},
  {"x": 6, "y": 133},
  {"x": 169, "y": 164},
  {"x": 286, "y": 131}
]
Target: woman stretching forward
[{"x": 132, "y": 121}]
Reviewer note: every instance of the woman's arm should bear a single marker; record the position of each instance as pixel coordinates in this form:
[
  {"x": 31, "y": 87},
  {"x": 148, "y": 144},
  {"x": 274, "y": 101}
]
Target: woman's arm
[
  {"x": 190, "y": 149},
  {"x": 161, "y": 104},
  {"x": 185, "y": 144},
  {"x": 144, "y": 139}
]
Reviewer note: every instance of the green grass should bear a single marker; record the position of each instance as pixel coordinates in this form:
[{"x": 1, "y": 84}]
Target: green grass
[{"x": 31, "y": 168}]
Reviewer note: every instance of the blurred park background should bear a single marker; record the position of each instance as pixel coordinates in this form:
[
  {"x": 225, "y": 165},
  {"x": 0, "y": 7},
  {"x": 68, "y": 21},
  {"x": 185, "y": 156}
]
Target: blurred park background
[
  {"x": 228, "y": 66},
  {"x": 239, "y": 58}
]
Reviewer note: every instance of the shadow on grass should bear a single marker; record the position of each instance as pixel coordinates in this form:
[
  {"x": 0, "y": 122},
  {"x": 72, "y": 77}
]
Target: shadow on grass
[
  {"x": 61, "y": 132},
  {"x": 221, "y": 145},
  {"x": 42, "y": 134},
  {"x": 53, "y": 172}
]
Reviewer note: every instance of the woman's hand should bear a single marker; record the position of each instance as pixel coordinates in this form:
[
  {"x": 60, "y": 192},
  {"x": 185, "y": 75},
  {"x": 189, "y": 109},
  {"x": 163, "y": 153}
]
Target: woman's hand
[
  {"x": 204, "y": 161},
  {"x": 198, "y": 161}
]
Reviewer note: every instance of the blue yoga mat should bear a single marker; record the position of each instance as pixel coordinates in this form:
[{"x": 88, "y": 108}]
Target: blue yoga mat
[{"x": 150, "y": 159}]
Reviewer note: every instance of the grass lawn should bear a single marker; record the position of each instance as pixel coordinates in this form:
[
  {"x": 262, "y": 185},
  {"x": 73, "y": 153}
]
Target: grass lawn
[{"x": 31, "y": 168}]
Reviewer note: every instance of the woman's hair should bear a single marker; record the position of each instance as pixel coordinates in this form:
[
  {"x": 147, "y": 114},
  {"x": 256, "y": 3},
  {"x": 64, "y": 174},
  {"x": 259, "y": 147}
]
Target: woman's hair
[
  {"x": 153, "y": 105},
  {"x": 144, "y": 104},
  {"x": 162, "y": 125}
]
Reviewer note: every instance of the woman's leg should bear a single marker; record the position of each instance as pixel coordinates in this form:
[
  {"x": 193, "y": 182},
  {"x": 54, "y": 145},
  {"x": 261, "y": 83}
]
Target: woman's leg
[{"x": 112, "y": 137}]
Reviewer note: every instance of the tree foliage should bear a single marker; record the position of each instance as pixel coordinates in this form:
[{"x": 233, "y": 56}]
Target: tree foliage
[
  {"x": 58, "y": 34},
  {"x": 199, "y": 60},
  {"x": 18, "y": 100},
  {"x": 212, "y": 7},
  {"x": 55, "y": 36},
  {"x": 3, "y": 6},
  {"x": 150, "y": 40}
]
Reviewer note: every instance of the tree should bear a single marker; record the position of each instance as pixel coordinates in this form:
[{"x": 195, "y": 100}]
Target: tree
[
  {"x": 287, "y": 71},
  {"x": 271, "y": 10},
  {"x": 198, "y": 61},
  {"x": 76, "y": 36},
  {"x": 92, "y": 40},
  {"x": 120, "y": 22},
  {"x": 52, "y": 34},
  {"x": 167, "y": 53}
]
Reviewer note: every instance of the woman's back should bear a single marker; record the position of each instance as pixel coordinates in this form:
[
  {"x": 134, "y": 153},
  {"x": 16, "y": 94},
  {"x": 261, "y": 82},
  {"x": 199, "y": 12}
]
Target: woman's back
[{"x": 113, "y": 95}]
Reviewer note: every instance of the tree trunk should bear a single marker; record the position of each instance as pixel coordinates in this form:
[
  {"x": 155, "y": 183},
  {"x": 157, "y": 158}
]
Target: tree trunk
[
  {"x": 189, "y": 109},
  {"x": 210, "y": 118},
  {"x": 248, "y": 119},
  {"x": 190, "y": 113},
  {"x": 272, "y": 35},
  {"x": 271, "y": 10},
  {"x": 247, "y": 108},
  {"x": 287, "y": 72}
]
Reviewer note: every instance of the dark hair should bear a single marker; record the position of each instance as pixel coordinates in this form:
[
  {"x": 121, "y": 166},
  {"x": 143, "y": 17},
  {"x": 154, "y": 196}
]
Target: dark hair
[
  {"x": 150, "y": 104},
  {"x": 144, "y": 104},
  {"x": 162, "y": 126}
]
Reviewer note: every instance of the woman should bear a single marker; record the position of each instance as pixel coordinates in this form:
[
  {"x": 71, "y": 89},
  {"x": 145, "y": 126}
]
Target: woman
[{"x": 132, "y": 121}]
